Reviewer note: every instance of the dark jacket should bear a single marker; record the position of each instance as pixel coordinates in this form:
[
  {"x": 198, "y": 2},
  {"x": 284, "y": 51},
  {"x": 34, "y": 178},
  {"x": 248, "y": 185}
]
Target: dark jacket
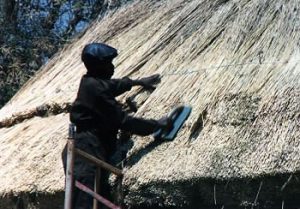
[{"x": 96, "y": 109}]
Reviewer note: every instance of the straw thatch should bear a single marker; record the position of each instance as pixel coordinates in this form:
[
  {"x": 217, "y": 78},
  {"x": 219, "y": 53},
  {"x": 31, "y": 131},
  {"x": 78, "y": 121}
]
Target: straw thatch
[
  {"x": 28, "y": 161},
  {"x": 235, "y": 62}
]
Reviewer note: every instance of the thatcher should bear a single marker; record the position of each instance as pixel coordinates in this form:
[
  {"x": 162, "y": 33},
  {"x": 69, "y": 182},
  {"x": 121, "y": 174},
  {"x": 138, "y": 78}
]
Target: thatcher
[{"x": 237, "y": 63}]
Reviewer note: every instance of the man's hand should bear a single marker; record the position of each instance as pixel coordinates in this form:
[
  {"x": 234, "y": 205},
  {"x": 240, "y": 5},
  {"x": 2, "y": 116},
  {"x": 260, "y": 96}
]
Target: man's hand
[
  {"x": 165, "y": 123},
  {"x": 148, "y": 82}
]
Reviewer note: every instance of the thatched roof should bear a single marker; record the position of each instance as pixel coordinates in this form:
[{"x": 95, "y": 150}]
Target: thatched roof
[
  {"x": 28, "y": 161},
  {"x": 235, "y": 62}
]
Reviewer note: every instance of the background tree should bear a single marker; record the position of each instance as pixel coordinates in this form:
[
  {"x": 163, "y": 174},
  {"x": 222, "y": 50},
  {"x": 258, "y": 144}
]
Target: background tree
[
  {"x": 32, "y": 31},
  {"x": 7, "y": 11}
]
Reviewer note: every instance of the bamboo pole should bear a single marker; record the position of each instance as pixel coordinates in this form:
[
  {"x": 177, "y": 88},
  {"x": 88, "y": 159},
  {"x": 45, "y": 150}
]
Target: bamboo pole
[
  {"x": 69, "y": 175},
  {"x": 97, "y": 186},
  {"x": 98, "y": 162},
  {"x": 96, "y": 196},
  {"x": 120, "y": 197}
]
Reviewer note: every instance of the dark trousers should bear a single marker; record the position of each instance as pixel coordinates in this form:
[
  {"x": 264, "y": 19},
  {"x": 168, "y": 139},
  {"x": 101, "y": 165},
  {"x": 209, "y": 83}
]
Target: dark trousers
[{"x": 85, "y": 172}]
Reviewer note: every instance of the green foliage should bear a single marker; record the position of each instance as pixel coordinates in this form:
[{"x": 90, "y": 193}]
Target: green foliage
[
  {"x": 59, "y": 2},
  {"x": 78, "y": 5}
]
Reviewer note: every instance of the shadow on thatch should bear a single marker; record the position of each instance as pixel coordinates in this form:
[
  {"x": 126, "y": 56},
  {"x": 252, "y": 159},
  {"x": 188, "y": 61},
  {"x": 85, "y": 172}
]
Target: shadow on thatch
[
  {"x": 33, "y": 200},
  {"x": 268, "y": 192},
  {"x": 136, "y": 156}
]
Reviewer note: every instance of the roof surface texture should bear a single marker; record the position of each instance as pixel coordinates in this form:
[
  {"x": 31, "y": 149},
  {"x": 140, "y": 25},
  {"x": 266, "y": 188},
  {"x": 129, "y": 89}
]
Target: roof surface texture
[{"x": 237, "y": 63}]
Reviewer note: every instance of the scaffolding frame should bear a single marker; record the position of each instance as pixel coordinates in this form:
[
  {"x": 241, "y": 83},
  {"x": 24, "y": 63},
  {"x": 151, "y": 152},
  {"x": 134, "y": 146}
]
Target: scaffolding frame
[{"x": 70, "y": 183}]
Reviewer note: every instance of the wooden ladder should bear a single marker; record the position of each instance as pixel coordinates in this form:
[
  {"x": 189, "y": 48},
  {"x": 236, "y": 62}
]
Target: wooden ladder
[{"x": 71, "y": 153}]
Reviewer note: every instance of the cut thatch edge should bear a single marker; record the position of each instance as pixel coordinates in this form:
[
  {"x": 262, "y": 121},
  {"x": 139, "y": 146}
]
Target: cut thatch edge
[
  {"x": 32, "y": 200},
  {"x": 20, "y": 193},
  {"x": 231, "y": 191},
  {"x": 40, "y": 111}
]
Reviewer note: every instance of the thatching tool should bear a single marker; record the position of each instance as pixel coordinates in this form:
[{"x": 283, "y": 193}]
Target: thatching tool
[{"x": 177, "y": 118}]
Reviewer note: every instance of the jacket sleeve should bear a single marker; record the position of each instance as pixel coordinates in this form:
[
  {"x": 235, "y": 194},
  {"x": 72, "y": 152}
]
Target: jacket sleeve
[
  {"x": 113, "y": 114},
  {"x": 139, "y": 126},
  {"x": 119, "y": 86},
  {"x": 117, "y": 118}
]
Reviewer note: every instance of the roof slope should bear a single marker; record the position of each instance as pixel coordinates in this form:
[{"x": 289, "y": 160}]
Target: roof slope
[
  {"x": 29, "y": 155},
  {"x": 235, "y": 62}
]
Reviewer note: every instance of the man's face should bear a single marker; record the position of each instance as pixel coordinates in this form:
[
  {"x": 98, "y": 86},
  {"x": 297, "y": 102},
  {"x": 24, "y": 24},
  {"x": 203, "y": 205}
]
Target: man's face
[
  {"x": 104, "y": 70},
  {"x": 109, "y": 69}
]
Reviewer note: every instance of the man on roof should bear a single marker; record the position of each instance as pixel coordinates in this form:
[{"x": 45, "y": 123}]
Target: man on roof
[{"x": 98, "y": 116}]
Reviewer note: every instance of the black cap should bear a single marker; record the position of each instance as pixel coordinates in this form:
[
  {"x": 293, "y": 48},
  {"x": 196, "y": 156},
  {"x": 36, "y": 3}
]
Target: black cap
[{"x": 99, "y": 51}]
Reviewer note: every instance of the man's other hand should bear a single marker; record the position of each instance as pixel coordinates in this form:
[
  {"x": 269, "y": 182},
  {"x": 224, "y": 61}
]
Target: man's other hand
[{"x": 149, "y": 82}]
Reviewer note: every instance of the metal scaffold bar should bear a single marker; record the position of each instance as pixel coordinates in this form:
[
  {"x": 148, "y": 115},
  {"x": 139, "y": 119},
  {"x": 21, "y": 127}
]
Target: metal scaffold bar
[{"x": 96, "y": 196}]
